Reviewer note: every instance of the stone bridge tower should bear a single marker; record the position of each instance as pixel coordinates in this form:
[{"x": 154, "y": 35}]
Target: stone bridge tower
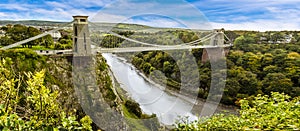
[
  {"x": 215, "y": 53},
  {"x": 82, "y": 55},
  {"x": 81, "y": 39},
  {"x": 218, "y": 40}
]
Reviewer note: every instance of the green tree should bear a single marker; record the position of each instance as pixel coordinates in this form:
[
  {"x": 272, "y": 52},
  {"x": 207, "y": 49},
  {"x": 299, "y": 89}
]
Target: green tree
[
  {"x": 134, "y": 108},
  {"x": 17, "y": 32},
  {"x": 5, "y": 41},
  {"x": 234, "y": 56},
  {"x": 279, "y": 56},
  {"x": 146, "y": 67},
  {"x": 31, "y": 32},
  {"x": 36, "y": 107},
  {"x": 167, "y": 68},
  {"x": 276, "y": 112},
  {"x": 21, "y": 32},
  {"x": 47, "y": 41},
  {"x": 231, "y": 90},
  {"x": 277, "y": 82},
  {"x": 270, "y": 69},
  {"x": 242, "y": 42},
  {"x": 251, "y": 62},
  {"x": 267, "y": 59}
]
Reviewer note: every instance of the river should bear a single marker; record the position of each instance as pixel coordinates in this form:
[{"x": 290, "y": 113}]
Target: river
[{"x": 152, "y": 99}]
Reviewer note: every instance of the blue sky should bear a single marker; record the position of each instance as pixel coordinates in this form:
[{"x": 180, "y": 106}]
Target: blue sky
[{"x": 229, "y": 14}]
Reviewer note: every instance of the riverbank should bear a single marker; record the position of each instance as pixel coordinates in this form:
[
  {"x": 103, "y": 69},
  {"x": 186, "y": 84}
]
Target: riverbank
[
  {"x": 197, "y": 103},
  {"x": 128, "y": 108}
]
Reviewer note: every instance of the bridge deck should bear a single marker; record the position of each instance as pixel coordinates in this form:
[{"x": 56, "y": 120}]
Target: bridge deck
[
  {"x": 131, "y": 49},
  {"x": 139, "y": 49}
]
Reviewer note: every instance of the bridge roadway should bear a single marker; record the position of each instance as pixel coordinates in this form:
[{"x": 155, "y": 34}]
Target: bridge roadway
[
  {"x": 131, "y": 49},
  {"x": 139, "y": 49}
]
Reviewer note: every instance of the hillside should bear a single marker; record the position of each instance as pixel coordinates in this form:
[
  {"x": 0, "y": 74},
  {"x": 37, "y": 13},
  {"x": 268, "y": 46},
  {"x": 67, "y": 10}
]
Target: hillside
[
  {"x": 31, "y": 23},
  {"x": 58, "y": 83}
]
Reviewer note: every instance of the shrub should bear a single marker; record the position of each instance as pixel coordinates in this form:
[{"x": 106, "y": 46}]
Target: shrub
[{"x": 277, "y": 112}]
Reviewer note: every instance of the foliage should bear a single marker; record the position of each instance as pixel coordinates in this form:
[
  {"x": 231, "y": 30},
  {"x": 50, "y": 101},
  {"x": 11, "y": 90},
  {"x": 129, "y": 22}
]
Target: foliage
[
  {"x": 34, "y": 108},
  {"x": 18, "y": 32},
  {"x": 105, "y": 82},
  {"x": 276, "y": 112},
  {"x": 134, "y": 108},
  {"x": 157, "y": 60},
  {"x": 258, "y": 63},
  {"x": 48, "y": 41},
  {"x": 169, "y": 37},
  {"x": 65, "y": 42},
  {"x": 25, "y": 60}
]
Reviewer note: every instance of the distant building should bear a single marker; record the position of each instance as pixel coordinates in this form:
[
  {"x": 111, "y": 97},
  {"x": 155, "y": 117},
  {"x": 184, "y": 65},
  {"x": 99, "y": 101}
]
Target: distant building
[
  {"x": 263, "y": 38},
  {"x": 288, "y": 38},
  {"x": 55, "y": 35},
  {"x": 2, "y": 33}
]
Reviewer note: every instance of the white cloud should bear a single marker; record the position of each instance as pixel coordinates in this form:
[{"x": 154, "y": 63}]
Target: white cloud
[
  {"x": 178, "y": 10},
  {"x": 55, "y": 4},
  {"x": 285, "y": 14},
  {"x": 108, "y": 18},
  {"x": 259, "y": 25},
  {"x": 49, "y": 10},
  {"x": 156, "y": 23},
  {"x": 3, "y": 14},
  {"x": 259, "y": 15},
  {"x": 89, "y": 3},
  {"x": 18, "y": 7},
  {"x": 277, "y": 15},
  {"x": 59, "y": 14}
]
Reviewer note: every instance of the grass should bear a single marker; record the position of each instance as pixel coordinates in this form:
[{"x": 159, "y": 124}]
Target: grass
[
  {"x": 133, "y": 121},
  {"x": 41, "y": 48}
]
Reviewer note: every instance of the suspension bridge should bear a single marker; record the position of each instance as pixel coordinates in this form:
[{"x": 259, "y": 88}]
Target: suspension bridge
[
  {"x": 83, "y": 78},
  {"x": 82, "y": 43}
]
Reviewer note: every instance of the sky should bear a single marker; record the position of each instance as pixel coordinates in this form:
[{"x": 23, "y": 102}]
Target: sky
[{"x": 257, "y": 15}]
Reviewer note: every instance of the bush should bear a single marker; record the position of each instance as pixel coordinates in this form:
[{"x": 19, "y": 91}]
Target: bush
[
  {"x": 35, "y": 107},
  {"x": 277, "y": 112},
  {"x": 134, "y": 108}
]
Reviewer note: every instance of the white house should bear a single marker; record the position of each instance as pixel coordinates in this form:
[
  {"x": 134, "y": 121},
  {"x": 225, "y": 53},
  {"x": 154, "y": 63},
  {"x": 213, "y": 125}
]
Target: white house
[
  {"x": 288, "y": 38},
  {"x": 2, "y": 33},
  {"x": 55, "y": 35}
]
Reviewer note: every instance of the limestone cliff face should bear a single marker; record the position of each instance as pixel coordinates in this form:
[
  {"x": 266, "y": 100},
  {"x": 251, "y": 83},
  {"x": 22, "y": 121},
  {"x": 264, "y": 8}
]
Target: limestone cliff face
[
  {"x": 92, "y": 90},
  {"x": 98, "y": 99},
  {"x": 95, "y": 98},
  {"x": 59, "y": 77}
]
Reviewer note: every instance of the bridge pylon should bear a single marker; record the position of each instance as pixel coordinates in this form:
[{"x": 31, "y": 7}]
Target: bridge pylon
[
  {"x": 218, "y": 39},
  {"x": 82, "y": 53},
  {"x": 214, "y": 54},
  {"x": 81, "y": 36}
]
